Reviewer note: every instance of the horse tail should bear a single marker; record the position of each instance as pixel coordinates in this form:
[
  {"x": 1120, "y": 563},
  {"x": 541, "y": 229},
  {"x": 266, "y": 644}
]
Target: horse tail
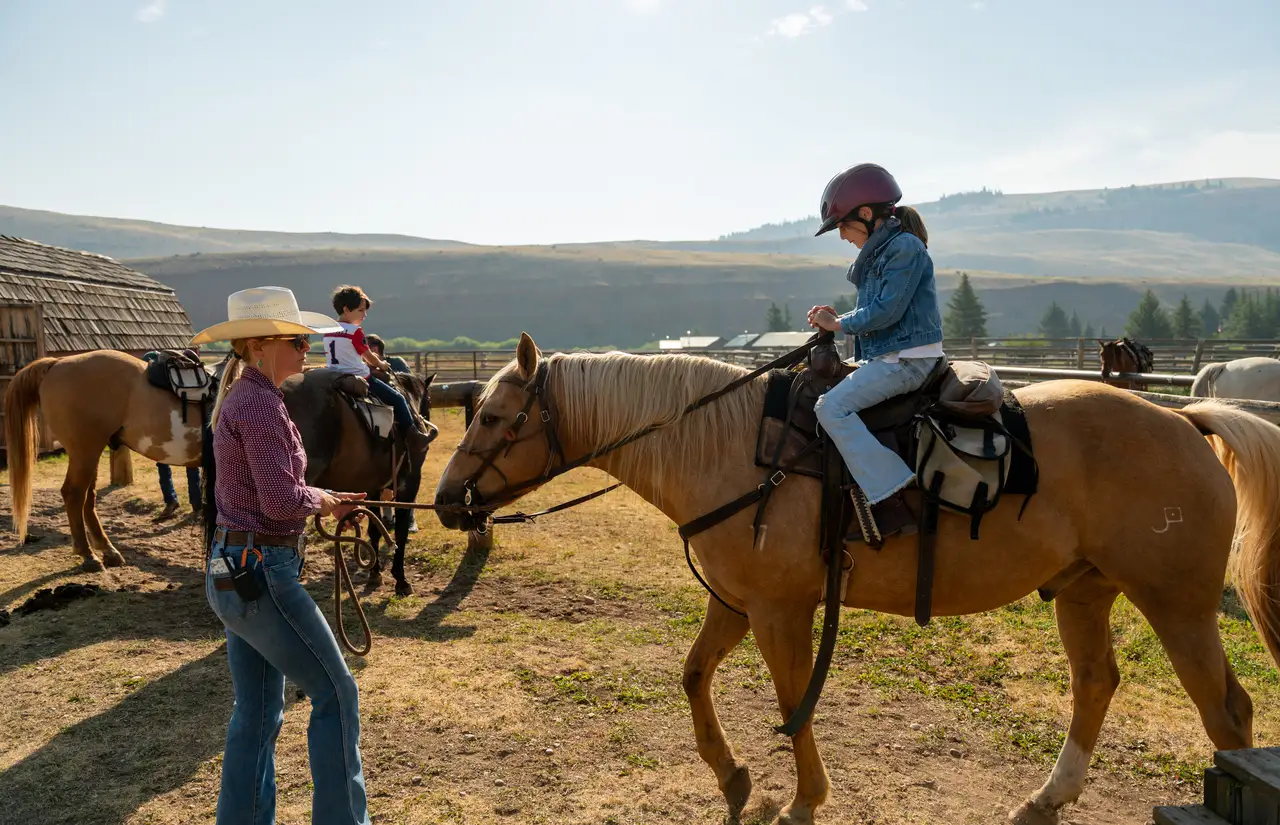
[
  {"x": 21, "y": 402},
  {"x": 1249, "y": 448},
  {"x": 1202, "y": 387}
]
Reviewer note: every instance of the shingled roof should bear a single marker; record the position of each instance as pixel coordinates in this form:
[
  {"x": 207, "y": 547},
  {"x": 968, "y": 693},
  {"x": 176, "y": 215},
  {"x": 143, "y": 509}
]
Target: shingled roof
[{"x": 91, "y": 301}]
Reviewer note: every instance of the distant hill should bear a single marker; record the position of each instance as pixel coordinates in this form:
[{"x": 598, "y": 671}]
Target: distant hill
[
  {"x": 1092, "y": 251},
  {"x": 607, "y": 296},
  {"x": 120, "y": 238}
]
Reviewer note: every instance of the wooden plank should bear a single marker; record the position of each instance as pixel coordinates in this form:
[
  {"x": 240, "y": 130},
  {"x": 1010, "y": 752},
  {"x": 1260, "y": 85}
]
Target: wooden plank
[
  {"x": 1252, "y": 766},
  {"x": 121, "y": 467},
  {"x": 1189, "y": 815},
  {"x": 1218, "y": 793}
]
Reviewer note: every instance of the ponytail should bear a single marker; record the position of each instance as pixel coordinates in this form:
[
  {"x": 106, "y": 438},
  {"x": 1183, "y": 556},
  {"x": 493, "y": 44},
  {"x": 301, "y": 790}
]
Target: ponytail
[
  {"x": 912, "y": 222},
  {"x": 229, "y": 376}
]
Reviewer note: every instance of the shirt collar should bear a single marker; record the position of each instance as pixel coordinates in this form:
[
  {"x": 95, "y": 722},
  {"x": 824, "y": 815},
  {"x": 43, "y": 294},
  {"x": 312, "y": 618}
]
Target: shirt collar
[{"x": 255, "y": 377}]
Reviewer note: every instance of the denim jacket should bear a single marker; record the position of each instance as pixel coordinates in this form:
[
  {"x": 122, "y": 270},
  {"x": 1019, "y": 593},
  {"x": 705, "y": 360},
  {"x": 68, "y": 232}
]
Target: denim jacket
[{"x": 897, "y": 304}]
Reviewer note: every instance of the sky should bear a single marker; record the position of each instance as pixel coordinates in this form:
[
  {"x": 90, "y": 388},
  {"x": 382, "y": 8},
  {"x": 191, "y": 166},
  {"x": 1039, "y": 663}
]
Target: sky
[{"x": 544, "y": 121}]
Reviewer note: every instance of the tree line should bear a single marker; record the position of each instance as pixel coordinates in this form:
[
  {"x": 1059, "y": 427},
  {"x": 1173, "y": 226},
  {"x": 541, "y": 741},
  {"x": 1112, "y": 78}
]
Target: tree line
[{"x": 1242, "y": 313}]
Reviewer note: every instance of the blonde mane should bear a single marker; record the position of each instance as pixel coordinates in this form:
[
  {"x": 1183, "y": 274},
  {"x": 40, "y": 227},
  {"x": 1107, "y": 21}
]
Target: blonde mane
[{"x": 600, "y": 398}]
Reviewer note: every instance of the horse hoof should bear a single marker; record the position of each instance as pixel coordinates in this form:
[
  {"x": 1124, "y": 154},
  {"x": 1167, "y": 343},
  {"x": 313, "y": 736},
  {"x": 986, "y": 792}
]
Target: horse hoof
[
  {"x": 112, "y": 558},
  {"x": 1029, "y": 813},
  {"x": 787, "y": 816},
  {"x": 91, "y": 565},
  {"x": 374, "y": 582},
  {"x": 737, "y": 791},
  {"x": 404, "y": 589}
]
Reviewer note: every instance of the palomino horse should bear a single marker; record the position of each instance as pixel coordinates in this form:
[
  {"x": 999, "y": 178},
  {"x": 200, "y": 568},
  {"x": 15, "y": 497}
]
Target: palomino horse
[
  {"x": 91, "y": 400},
  {"x": 1256, "y": 378},
  {"x": 1154, "y": 509},
  {"x": 343, "y": 455}
]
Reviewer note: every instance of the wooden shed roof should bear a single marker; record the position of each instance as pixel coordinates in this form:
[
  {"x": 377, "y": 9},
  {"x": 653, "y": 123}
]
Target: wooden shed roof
[{"x": 91, "y": 301}]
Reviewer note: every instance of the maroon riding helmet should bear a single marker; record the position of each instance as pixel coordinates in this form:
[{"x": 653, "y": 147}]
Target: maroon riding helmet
[{"x": 857, "y": 186}]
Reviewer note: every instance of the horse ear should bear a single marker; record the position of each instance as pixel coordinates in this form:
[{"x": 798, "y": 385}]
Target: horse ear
[{"x": 527, "y": 356}]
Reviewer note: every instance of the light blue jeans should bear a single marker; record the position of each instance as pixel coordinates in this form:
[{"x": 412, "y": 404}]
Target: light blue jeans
[
  {"x": 282, "y": 633},
  {"x": 877, "y": 469}
]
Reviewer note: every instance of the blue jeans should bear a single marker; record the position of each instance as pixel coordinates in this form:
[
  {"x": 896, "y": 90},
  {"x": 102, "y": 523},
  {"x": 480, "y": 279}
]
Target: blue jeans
[
  {"x": 388, "y": 394},
  {"x": 877, "y": 469},
  {"x": 170, "y": 494},
  {"x": 282, "y": 633}
]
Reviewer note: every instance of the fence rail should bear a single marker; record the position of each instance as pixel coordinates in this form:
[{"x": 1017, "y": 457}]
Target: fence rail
[{"x": 1176, "y": 357}]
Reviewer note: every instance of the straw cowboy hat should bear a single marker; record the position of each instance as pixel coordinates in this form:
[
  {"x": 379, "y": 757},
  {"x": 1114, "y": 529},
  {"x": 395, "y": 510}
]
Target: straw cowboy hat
[{"x": 265, "y": 311}]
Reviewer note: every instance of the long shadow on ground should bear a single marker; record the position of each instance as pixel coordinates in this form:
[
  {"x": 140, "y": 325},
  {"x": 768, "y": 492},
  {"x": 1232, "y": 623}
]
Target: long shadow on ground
[{"x": 170, "y": 726}]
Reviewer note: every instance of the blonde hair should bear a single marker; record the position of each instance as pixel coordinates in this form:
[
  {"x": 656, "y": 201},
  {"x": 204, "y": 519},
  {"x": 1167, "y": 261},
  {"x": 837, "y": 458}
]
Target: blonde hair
[{"x": 240, "y": 350}]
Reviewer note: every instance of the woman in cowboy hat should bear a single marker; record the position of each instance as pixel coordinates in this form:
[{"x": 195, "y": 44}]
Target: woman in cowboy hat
[{"x": 273, "y": 627}]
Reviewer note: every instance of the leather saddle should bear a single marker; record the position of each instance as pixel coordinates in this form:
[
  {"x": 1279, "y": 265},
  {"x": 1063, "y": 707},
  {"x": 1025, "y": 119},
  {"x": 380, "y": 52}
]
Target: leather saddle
[
  {"x": 182, "y": 373},
  {"x": 956, "y": 432},
  {"x": 377, "y": 417}
]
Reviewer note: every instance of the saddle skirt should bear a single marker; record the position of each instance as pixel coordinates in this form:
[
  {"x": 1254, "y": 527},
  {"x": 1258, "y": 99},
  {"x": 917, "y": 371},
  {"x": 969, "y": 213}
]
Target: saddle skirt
[
  {"x": 951, "y": 431},
  {"x": 378, "y": 418}
]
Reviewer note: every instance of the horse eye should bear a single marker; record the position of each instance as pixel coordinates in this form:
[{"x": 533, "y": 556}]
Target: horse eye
[{"x": 488, "y": 420}]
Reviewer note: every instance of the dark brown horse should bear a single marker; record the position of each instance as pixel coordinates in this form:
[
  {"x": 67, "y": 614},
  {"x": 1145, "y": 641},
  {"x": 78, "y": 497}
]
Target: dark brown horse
[
  {"x": 343, "y": 455},
  {"x": 1125, "y": 355}
]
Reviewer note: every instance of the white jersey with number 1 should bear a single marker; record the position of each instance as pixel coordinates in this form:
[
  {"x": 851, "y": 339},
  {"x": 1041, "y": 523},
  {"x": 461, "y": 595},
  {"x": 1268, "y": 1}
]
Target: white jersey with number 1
[{"x": 342, "y": 350}]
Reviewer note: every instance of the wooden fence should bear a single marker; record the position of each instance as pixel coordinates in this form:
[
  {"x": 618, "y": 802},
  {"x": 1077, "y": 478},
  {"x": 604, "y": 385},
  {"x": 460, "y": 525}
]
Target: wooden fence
[
  {"x": 21, "y": 342},
  {"x": 1184, "y": 357}
]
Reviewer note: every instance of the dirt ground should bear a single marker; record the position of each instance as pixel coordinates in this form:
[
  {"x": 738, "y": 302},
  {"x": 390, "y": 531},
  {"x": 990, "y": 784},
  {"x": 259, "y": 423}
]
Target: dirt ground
[{"x": 539, "y": 682}]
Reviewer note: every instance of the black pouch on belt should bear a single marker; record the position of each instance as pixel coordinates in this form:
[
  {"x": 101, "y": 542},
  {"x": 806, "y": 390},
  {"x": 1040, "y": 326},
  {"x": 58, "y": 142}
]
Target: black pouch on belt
[{"x": 242, "y": 578}]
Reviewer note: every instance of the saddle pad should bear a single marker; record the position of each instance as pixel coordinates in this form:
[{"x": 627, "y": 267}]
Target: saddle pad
[{"x": 182, "y": 374}]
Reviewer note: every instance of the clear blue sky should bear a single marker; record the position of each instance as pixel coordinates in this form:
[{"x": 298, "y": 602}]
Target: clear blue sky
[{"x": 520, "y": 121}]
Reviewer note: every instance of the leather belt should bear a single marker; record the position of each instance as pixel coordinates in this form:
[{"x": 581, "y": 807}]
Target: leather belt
[{"x": 259, "y": 539}]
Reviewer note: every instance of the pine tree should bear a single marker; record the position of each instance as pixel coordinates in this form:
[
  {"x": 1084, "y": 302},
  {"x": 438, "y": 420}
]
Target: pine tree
[
  {"x": 965, "y": 317},
  {"x": 1210, "y": 320},
  {"x": 1073, "y": 327},
  {"x": 1054, "y": 324},
  {"x": 1088, "y": 331},
  {"x": 843, "y": 304},
  {"x": 1249, "y": 318},
  {"x": 1229, "y": 301},
  {"x": 1184, "y": 320},
  {"x": 1149, "y": 320},
  {"x": 786, "y": 318},
  {"x": 774, "y": 320}
]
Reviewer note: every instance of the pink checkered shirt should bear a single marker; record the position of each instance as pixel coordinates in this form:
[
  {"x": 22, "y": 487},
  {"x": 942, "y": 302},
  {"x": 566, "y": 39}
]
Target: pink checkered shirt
[{"x": 261, "y": 480}]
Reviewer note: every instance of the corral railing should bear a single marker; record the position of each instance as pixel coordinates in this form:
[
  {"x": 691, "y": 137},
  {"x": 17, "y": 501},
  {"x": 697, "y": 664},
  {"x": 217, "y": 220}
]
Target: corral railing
[{"x": 1178, "y": 357}]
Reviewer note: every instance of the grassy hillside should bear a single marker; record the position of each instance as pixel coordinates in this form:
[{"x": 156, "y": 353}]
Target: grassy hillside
[
  {"x": 119, "y": 238},
  {"x": 602, "y": 296}
]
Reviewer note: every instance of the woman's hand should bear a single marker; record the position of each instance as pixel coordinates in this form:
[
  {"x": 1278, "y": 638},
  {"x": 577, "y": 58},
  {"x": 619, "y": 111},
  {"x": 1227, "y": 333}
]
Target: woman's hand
[
  {"x": 824, "y": 318},
  {"x": 333, "y": 504}
]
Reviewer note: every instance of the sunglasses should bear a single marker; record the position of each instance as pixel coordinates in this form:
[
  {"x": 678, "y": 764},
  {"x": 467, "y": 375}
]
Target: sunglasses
[{"x": 300, "y": 342}]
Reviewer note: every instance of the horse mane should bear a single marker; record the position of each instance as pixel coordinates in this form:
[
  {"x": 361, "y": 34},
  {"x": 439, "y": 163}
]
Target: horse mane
[{"x": 600, "y": 398}]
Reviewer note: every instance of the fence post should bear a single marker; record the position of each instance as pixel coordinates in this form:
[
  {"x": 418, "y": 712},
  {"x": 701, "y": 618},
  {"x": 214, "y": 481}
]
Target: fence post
[
  {"x": 121, "y": 467},
  {"x": 1079, "y": 353},
  {"x": 417, "y": 363},
  {"x": 475, "y": 367},
  {"x": 1195, "y": 359},
  {"x": 973, "y": 348}
]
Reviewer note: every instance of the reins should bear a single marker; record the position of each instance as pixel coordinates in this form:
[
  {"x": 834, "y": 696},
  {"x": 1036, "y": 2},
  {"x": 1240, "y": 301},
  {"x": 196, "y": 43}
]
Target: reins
[{"x": 366, "y": 558}]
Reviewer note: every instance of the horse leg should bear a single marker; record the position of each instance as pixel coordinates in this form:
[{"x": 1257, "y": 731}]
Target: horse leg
[
  {"x": 82, "y": 474},
  {"x": 1190, "y": 637},
  {"x": 721, "y": 631},
  {"x": 97, "y": 536},
  {"x": 407, "y": 493},
  {"x": 1084, "y": 623},
  {"x": 375, "y": 573},
  {"x": 784, "y": 633}
]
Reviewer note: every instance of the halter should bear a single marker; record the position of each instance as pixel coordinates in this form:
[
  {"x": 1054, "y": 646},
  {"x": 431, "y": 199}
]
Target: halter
[{"x": 536, "y": 391}]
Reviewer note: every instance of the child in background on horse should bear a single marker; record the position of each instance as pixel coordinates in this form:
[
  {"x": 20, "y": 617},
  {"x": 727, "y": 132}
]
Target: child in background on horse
[
  {"x": 896, "y": 324},
  {"x": 348, "y": 351}
]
